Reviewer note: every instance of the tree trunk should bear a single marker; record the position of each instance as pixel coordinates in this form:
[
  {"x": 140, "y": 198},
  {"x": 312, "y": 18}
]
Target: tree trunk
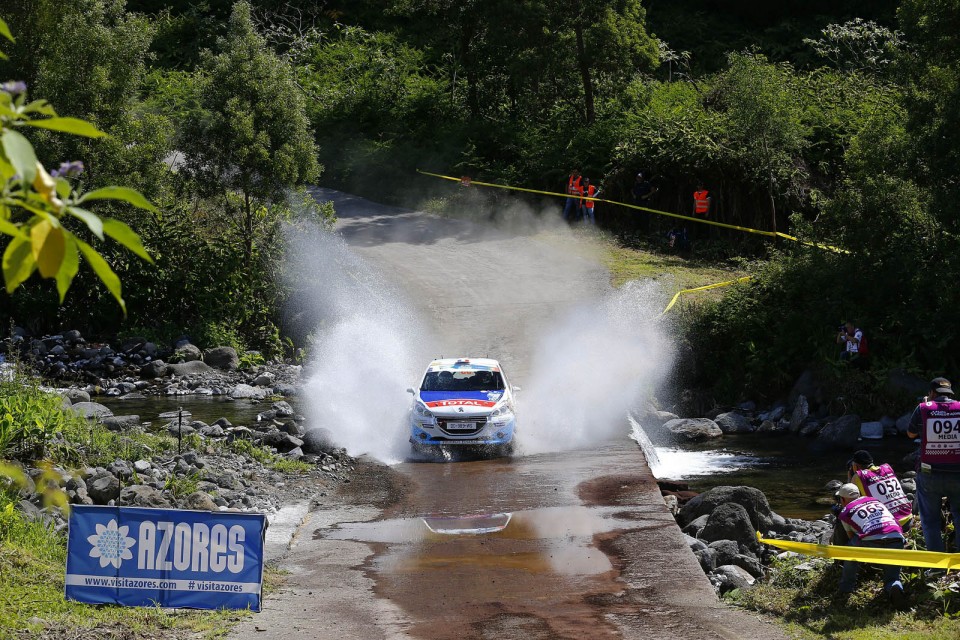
[
  {"x": 585, "y": 75},
  {"x": 247, "y": 228}
]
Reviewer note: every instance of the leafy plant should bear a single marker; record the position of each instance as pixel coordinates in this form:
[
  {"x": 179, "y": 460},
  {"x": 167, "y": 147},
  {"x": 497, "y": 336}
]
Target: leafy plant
[{"x": 42, "y": 243}]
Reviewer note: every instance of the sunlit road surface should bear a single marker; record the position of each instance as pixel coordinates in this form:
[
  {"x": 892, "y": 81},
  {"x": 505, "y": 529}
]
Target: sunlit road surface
[{"x": 575, "y": 544}]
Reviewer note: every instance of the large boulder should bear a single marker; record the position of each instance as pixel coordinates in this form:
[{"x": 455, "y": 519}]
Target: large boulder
[
  {"x": 733, "y": 422},
  {"x": 733, "y": 577},
  {"x": 200, "y": 501},
  {"x": 801, "y": 411},
  {"x": 154, "y": 369},
  {"x": 103, "y": 488},
  {"x": 91, "y": 410},
  {"x": 245, "y": 392},
  {"x": 318, "y": 440},
  {"x": 808, "y": 386},
  {"x": 121, "y": 423},
  {"x": 692, "y": 429},
  {"x": 905, "y": 384},
  {"x": 842, "y": 433},
  {"x": 730, "y": 521},
  {"x": 222, "y": 358},
  {"x": 282, "y": 442},
  {"x": 187, "y": 353},
  {"x": 753, "y": 500},
  {"x": 191, "y": 368},
  {"x": 75, "y": 395},
  {"x": 139, "y": 495}
]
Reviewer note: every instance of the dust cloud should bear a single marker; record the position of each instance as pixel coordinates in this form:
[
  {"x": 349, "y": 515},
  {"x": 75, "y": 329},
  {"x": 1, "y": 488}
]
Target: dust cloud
[{"x": 584, "y": 363}]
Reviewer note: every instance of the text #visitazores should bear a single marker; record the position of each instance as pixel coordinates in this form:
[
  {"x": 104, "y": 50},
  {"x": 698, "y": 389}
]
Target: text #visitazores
[{"x": 165, "y": 557}]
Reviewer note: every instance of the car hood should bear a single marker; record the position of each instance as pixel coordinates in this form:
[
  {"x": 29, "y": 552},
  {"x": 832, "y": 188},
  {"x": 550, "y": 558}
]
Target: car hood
[{"x": 461, "y": 403}]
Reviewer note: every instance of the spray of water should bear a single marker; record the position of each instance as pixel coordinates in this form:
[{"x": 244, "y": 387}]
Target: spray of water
[
  {"x": 594, "y": 366},
  {"x": 366, "y": 348}
]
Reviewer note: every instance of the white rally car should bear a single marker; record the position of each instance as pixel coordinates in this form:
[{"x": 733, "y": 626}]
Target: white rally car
[{"x": 463, "y": 402}]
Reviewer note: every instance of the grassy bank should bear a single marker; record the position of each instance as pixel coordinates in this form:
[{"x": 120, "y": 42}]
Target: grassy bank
[
  {"x": 37, "y": 433},
  {"x": 802, "y": 595}
]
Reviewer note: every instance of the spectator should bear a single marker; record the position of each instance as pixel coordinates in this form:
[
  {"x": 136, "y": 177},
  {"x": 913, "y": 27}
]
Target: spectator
[
  {"x": 853, "y": 346},
  {"x": 642, "y": 191},
  {"x": 936, "y": 421},
  {"x": 571, "y": 209},
  {"x": 869, "y": 524},
  {"x": 702, "y": 208},
  {"x": 677, "y": 239},
  {"x": 880, "y": 482},
  {"x": 587, "y": 203}
]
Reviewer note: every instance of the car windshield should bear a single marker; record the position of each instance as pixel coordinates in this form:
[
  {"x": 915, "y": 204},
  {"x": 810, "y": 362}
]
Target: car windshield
[{"x": 462, "y": 380}]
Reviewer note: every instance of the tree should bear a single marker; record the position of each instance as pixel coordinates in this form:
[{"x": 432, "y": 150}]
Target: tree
[
  {"x": 764, "y": 122},
  {"x": 250, "y": 136}
]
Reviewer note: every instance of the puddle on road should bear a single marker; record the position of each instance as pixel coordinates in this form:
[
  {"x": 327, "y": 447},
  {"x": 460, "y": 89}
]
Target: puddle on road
[{"x": 558, "y": 539}]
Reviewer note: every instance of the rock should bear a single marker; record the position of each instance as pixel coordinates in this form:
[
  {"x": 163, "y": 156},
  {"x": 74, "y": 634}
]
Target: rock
[
  {"x": 748, "y": 405},
  {"x": 119, "y": 423},
  {"x": 212, "y": 431},
  {"x": 292, "y": 428},
  {"x": 174, "y": 427},
  {"x": 126, "y": 387},
  {"x": 139, "y": 495},
  {"x": 801, "y": 410},
  {"x": 768, "y": 426},
  {"x": 775, "y": 414},
  {"x": 294, "y": 454},
  {"x": 871, "y": 430},
  {"x": 286, "y": 390},
  {"x": 103, "y": 489},
  {"x": 734, "y": 577},
  {"x": 224, "y": 479},
  {"x": 200, "y": 501},
  {"x": 93, "y": 410},
  {"x": 264, "y": 380},
  {"x": 753, "y": 500},
  {"x": 245, "y": 391},
  {"x": 693, "y": 543},
  {"x": 282, "y": 442},
  {"x": 187, "y": 353},
  {"x": 695, "y": 526},
  {"x": 222, "y": 422},
  {"x": 155, "y": 369},
  {"x": 71, "y": 336},
  {"x": 726, "y": 550},
  {"x": 810, "y": 428},
  {"x": 120, "y": 468},
  {"x": 222, "y": 358},
  {"x": 283, "y": 409},
  {"x": 730, "y": 522},
  {"x": 707, "y": 558},
  {"x": 842, "y": 433},
  {"x": 693, "y": 429},
  {"x": 142, "y": 466},
  {"x": 318, "y": 440},
  {"x": 190, "y": 368},
  {"x": 76, "y": 395},
  {"x": 807, "y": 386},
  {"x": 733, "y": 422}
]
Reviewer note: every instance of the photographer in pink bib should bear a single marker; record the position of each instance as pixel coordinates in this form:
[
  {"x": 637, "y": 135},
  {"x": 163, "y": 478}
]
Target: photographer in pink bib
[{"x": 936, "y": 421}]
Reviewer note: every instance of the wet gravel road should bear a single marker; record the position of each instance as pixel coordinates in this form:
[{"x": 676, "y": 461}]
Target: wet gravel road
[{"x": 557, "y": 545}]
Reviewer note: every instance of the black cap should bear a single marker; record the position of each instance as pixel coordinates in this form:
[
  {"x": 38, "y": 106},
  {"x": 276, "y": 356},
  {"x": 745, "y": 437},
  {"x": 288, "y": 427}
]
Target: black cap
[
  {"x": 863, "y": 458},
  {"x": 942, "y": 386}
]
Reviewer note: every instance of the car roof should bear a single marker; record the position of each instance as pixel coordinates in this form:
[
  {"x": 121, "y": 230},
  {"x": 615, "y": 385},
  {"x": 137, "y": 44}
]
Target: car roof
[{"x": 452, "y": 364}]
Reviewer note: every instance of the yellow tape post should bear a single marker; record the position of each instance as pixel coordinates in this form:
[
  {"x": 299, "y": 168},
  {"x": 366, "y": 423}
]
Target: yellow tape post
[
  {"x": 467, "y": 182},
  {"x": 717, "y": 285},
  {"x": 901, "y": 557}
]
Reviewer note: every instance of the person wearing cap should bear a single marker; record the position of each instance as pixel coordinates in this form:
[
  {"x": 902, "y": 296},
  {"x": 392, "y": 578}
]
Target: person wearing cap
[
  {"x": 936, "y": 421},
  {"x": 880, "y": 482},
  {"x": 869, "y": 524}
]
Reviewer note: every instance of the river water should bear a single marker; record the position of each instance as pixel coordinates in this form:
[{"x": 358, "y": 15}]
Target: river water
[{"x": 790, "y": 470}]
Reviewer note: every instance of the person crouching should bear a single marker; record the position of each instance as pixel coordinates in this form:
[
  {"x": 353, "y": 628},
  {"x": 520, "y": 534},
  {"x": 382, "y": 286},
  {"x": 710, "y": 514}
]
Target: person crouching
[{"x": 869, "y": 524}]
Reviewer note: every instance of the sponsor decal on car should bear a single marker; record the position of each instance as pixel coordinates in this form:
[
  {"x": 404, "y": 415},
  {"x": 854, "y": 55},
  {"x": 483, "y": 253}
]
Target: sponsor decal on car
[{"x": 461, "y": 402}]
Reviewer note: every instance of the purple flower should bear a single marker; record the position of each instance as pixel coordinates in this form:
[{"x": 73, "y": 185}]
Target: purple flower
[
  {"x": 14, "y": 87},
  {"x": 68, "y": 170}
]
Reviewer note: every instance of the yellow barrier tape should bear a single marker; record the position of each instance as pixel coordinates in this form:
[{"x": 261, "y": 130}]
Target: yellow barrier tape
[
  {"x": 773, "y": 234},
  {"x": 901, "y": 557},
  {"x": 717, "y": 285}
]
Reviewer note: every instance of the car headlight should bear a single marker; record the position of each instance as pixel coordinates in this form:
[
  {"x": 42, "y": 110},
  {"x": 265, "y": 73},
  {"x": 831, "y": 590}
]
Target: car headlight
[
  {"x": 422, "y": 411},
  {"x": 503, "y": 410}
]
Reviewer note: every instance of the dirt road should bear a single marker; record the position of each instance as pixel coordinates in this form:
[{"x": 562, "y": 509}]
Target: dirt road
[{"x": 559, "y": 545}]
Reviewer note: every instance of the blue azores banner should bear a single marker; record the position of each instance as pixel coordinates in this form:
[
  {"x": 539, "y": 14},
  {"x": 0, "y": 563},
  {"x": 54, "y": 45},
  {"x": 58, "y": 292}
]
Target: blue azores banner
[{"x": 165, "y": 557}]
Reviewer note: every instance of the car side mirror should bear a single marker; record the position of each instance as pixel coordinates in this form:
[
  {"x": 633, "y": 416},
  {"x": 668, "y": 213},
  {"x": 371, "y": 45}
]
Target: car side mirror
[
  {"x": 516, "y": 388},
  {"x": 411, "y": 391}
]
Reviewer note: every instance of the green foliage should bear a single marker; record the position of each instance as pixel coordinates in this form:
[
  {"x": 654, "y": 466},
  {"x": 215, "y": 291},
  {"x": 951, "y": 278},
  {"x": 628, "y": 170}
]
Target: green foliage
[
  {"x": 181, "y": 486},
  {"x": 251, "y": 360},
  {"x": 283, "y": 465}
]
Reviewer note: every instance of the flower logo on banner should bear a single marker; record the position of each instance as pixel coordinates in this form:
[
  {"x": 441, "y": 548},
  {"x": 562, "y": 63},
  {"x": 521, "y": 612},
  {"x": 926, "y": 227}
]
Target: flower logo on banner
[{"x": 111, "y": 544}]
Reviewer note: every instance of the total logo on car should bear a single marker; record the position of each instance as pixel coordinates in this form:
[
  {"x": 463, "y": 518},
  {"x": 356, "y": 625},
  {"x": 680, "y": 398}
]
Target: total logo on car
[{"x": 463, "y": 402}]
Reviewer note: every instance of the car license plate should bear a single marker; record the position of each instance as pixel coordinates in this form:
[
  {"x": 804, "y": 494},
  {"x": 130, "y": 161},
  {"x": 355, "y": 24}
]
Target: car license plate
[{"x": 462, "y": 426}]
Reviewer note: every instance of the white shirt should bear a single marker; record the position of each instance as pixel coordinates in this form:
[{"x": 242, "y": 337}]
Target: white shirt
[{"x": 854, "y": 347}]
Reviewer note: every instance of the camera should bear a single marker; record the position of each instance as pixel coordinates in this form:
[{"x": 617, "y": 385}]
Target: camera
[{"x": 842, "y": 328}]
